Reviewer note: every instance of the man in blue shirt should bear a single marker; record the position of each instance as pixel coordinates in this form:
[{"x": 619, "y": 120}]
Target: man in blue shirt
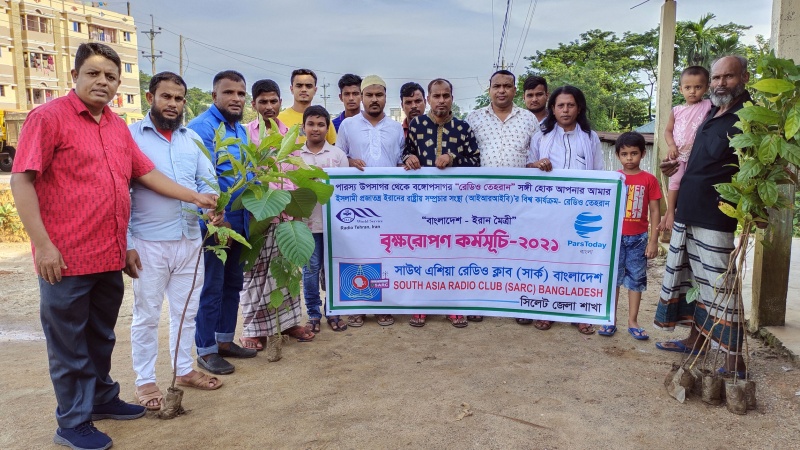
[
  {"x": 219, "y": 299},
  {"x": 350, "y": 95},
  {"x": 164, "y": 240}
]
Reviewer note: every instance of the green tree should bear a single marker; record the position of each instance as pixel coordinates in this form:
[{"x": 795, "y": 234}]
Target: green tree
[
  {"x": 197, "y": 101},
  {"x": 144, "y": 86}
]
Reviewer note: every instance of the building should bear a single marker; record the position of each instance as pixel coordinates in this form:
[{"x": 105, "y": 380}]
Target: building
[{"x": 38, "y": 41}]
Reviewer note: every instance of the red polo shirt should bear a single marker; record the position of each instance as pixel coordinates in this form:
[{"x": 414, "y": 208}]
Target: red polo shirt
[{"x": 83, "y": 172}]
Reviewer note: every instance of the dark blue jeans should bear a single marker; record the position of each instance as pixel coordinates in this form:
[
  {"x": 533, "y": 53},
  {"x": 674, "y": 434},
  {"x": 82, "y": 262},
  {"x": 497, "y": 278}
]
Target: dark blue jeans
[
  {"x": 219, "y": 299},
  {"x": 78, "y": 317},
  {"x": 311, "y": 279}
]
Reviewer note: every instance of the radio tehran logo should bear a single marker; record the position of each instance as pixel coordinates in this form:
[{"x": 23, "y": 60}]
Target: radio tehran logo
[
  {"x": 348, "y": 215},
  {"x": 587, "y": 223},
  {"x": 355, "y": 282}
]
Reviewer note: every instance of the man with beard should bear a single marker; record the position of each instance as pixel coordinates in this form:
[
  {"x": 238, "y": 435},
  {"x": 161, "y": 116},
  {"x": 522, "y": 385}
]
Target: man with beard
[
  {"x": 503, "y": 131},
  {"x": 164, "y": 240},
  {"x": 303, "y": 88},
  {"x": 371, "y": 139},
  {"x": 350, "y": 95},
  {"x": 702, "y": 236},
  {"x": 438, "y": 139},
  {"x": 412, "y": 100},
  {"x": 267, "y": 103},
  {"x": 219, "y": 298},
  {"x": 535, "y": 96}
]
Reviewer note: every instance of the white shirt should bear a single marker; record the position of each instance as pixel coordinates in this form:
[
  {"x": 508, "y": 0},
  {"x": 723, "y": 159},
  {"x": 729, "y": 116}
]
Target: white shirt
[
  {"x": 503, "y": 143},
  {"x": 329, "y": 156},
  {"x": 378, "y": 146},
  {"x": 568, "y": 149}
]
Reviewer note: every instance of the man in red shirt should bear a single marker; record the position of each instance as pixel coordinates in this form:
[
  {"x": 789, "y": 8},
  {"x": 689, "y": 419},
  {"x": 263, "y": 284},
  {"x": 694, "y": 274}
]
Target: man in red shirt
[{"x": 70, "y": 182}]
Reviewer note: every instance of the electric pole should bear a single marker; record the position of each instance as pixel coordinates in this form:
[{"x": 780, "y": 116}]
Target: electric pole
[
  {"x": 502, "y": 65},
  {"x": 180, "y": 54},
  {"x": 152, "y": 36},
  {"x": 325, "y": 95}
]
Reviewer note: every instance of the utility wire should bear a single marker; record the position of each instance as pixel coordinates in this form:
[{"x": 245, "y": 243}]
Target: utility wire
[{"x": 521, "y": 46}]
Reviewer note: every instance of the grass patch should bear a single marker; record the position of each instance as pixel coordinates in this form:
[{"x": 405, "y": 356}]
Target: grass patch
[{"x": 11, "y": 229}]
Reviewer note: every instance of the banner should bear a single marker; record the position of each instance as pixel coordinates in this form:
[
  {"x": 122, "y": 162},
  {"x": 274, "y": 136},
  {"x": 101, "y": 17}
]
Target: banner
[{"x": 474, "y": 241}]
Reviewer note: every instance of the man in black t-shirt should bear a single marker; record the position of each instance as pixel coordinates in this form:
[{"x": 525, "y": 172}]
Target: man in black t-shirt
[{"x": 702, "y": 236}]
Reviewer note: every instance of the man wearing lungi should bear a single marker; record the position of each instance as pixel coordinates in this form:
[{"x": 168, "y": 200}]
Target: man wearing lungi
[{"x": 702, "y": 236}]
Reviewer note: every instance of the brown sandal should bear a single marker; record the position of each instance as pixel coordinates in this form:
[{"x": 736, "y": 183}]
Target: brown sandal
[
  {"x": 151, "y": 393},
  {"x": 543, "y": 325},
  {"x": 201, "y": 381},
  {"x": 314, "y": 325},
  {"x": 302, "y": 334},
  {"x": 584, "y": 328},
  {"x": 253, "y": 343},
  {"x": 355, "y": 320}
]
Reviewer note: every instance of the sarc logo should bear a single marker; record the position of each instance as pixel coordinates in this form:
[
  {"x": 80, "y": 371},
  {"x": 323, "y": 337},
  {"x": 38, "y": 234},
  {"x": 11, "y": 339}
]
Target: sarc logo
[
  {"x": 587, "y": 223},
  {"x": 348, "y": 215}
]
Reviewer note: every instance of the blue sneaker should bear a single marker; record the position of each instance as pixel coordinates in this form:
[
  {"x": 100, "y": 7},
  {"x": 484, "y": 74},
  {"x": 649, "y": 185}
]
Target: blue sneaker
[
  {"x": 118, "y": 410},
  {"x": 83, "y": 437}
]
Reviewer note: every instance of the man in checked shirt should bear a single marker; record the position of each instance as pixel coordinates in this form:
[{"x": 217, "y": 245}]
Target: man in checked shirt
[{"x": 439, "y": 139}]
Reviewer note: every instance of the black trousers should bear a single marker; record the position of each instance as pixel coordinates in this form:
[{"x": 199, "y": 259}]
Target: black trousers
[{"x": 78, "y": 316}]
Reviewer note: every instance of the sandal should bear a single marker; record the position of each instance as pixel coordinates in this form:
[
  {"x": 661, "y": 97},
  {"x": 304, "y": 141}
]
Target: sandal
[
  {"x": 201, "y": 381},
  {"x": 543, "y": 325},
  {"x": 584, "y": 328},
  {"x": 300, "y": 333},
  {"x": 607, "y": 330},
  {"x": 385, "y": 320},
  {"x": 522, "y": 321},
  {"x": 475, "y": 318},
  {"x": 149, "y": 394},
  {"x": 253, "y": 343},
  {"x": 457, "y": 321},
  {"x": 355, "y": 320},
  {"x": 417, "y": 320},
  {"x": 313, "y": 325},
  {"x": 336, "y": 323}
]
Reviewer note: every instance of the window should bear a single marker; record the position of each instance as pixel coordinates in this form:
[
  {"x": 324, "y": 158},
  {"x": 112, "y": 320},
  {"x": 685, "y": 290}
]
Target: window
[
  {"x": 128, "y": 68},
  {"x": 129, "y": 98},
  {"x": 76, "y": 27},
  {"x": 34, "y": 23},
  {"x": 101, "y": 34},
  {"x": 2, "y": 91},
  {"x": 126, "y": 35}
]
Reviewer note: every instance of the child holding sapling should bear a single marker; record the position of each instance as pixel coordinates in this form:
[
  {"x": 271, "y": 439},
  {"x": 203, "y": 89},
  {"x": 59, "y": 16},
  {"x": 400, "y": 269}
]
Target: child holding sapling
[
  {"x": 684, "y": 120},
  {"x": 638, "y": 243}
]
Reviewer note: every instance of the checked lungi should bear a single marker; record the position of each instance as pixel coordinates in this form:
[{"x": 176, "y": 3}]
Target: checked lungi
[
  {"x": 259, "y": 320},
  {"x": 701, "y": 255}
]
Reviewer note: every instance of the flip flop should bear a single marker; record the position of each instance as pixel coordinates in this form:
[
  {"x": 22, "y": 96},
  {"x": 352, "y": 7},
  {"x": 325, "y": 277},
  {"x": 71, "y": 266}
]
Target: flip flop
[
  {"x": 584, "y": 328},
  {"x": 607, "y": 330},
  {"x": 385, "y": 320},
  {"x": 457, "y": 321},
  {"x": 417, "y": 320},
  {"x": 543, "y": 325},
  {"x": 678, "y": 346},
  {"x": 723, "y": 372},
  {"x": 639, "y": 334},
  {"x": 356, "y": 320},
  {"x": 475, "y": 318},
  {"x": 523, "y": 321},
  {"x": 300, "y": 333},
  {"x": 152, "y": 393}
]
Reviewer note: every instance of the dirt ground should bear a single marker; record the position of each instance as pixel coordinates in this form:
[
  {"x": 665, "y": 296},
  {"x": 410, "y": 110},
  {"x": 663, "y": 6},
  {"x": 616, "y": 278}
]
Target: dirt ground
[{"x": 404, "y": 387}]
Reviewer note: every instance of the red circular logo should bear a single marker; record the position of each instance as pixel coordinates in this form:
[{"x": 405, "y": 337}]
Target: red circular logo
[{"x": 360, "y": 282}]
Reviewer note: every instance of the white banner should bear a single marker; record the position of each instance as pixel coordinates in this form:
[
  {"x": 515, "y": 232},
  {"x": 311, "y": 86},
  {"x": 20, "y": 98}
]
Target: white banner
[{"x": 482, "y": 241}]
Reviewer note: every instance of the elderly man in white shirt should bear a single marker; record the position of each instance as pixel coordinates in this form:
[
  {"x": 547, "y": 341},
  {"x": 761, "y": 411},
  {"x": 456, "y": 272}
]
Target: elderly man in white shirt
[
  {"x": 371, "y": 139},
  {"x": 566, "y": 142}
]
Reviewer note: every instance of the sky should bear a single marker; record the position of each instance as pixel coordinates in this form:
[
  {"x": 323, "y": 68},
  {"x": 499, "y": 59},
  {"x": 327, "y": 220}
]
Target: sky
[{"x": 400, "y": 40}]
